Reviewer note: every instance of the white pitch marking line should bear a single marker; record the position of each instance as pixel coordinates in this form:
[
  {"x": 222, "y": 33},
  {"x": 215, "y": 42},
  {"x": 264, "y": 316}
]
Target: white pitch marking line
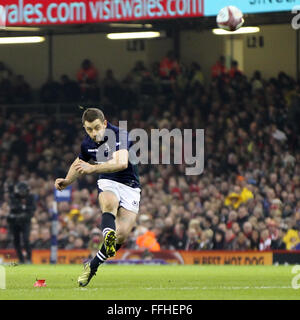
[
  {"x": 247, "y": 288},
  {"x": 222, "y": 288}
]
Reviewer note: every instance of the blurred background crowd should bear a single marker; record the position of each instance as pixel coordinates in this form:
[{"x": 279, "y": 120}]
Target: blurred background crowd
[{"x": 247, "y": 198}]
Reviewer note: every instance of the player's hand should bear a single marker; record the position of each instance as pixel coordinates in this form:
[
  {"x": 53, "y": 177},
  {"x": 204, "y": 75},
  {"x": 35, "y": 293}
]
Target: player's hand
[
  {"x": 84, "y": 167},
  {"x": 61, "y": 184}
]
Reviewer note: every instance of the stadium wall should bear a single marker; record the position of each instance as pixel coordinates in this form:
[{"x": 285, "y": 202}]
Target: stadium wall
[
  {"x": 274, "y": 52},
  {"x": 70, "y": 50},
  {"x": 28, "y": 60},
  {"x": 202, "y": 47},
  {"x": 168, "y": 256},
  {"x": 277, "y": 54}
]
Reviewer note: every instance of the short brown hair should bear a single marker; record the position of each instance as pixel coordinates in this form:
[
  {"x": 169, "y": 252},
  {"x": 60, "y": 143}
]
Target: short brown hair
[{"x": 92, "y": 114}]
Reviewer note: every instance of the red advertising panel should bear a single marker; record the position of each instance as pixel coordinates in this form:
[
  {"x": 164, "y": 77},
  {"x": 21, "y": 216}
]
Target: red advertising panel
[{"x": 47, "y": 12}]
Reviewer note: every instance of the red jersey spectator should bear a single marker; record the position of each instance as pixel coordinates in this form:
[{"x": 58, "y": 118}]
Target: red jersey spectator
[
  {"x": 88, "y": 73},
  {"x": 169, "y": 67},
  {"x": 87, "y": 77},
  {"x": 219, "y": 68}
]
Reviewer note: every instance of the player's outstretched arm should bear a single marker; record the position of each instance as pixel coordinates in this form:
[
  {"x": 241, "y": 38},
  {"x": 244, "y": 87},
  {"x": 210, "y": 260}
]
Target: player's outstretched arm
[
  {"x": 73, "y": 174},
  {"x": 117, "y": 163}
]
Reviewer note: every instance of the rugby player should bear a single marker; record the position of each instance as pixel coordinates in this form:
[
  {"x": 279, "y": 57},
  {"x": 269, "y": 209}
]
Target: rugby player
[{"x": 118, "y": 184}]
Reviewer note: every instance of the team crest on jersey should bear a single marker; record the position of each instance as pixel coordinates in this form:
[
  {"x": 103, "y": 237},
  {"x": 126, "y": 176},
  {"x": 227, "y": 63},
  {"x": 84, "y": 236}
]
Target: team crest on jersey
[{"x": 135, "y": 203}]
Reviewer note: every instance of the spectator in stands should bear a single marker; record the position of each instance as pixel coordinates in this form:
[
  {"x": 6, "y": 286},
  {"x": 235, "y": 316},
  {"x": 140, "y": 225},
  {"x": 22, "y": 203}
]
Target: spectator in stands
[
  {"x": 95, "y": 242},
  {"x": 243, "y": 217},
  {"x": 218, "y": 70},
  {"x": 87, "y": 78},
  {"x": 71, "y": 240},
  {"x": 45, "y": 239},
  {"x": 247, "y": 229},
  {"x": 291, "y": 238},
  {"x": 6, "y": 89},
  {"x": 254, "y": 240},
  {"x": 265, "y": 240},
  {"x": 193, "y": 240},
  {"x": 128, "y": 95},
  {"x": 294, "y": 111},
  {"x": 148, "y": 241},
  {"x": 206, "y": 242},
  {"x": 111, "y": 87},
  {"x": 147, "y": 82},
  {"x": 70, "y": 89},
  {"x": 243, "y": 149},
  {"x": 155, "y": 72},
  {"x": 167, "y": 232},
  {"x": 5, "y": 72},
  {"x": 219, "y": 240},
  {"x": 232, "y": 217},
  {"x": 297, "y": 246},
  {"x": 278, "y": 243},
  {"x": 179, "y": 238},
  {"x": 234, "y": 71},
  {"x": 5, "y": 84},
  {"x": 241, "y": 242},
  {"x": 236, "y": 228},
  {"x": 195, "y": 76},
  {"x": 169, "y": 67},
  {"x": 78, "y": 243},
  {"x": 229, "y": 239},
  {"x": 62, "y": 237},
  {"x": 21, "y": 90},
  {"x": 50, "y": 92},
  {"x": 138, "y": 71},
  {"x": 257, "y": 82},
  {"x": 34, "y": 238}
]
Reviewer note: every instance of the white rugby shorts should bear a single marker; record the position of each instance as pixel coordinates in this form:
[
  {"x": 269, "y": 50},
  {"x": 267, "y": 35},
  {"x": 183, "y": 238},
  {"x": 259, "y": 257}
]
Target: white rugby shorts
[{"x": 129, "y": 198}]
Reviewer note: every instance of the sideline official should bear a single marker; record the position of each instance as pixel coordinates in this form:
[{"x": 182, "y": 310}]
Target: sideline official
[{"x": 22, "y": 207}]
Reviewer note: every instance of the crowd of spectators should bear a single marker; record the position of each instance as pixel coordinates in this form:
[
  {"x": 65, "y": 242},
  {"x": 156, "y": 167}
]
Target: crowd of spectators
[
  {"x": 247, "y": 198},
  {"x": 86, "y": 85},
  {"x": 13, "y": 88}
]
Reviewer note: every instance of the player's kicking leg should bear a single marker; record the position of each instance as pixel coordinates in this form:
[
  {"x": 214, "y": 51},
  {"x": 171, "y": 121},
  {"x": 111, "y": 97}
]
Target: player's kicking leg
[
  {"x": 114, "y": 235},
  {"x": 109, "y": 203}
]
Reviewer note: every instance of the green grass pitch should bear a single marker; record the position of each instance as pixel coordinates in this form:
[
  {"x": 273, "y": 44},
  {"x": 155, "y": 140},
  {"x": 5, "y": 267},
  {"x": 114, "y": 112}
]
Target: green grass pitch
[{"x": 152, "y": 282}]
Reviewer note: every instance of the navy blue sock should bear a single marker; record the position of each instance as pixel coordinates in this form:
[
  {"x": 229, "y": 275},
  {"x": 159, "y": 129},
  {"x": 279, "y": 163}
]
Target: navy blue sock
[
  {"x": 101, "y": 257},
  {"x": 107, "y": 223}
]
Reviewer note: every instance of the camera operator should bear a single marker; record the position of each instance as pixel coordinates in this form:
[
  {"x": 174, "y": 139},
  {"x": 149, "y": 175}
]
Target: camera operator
[{"x": 22, "y": 207}]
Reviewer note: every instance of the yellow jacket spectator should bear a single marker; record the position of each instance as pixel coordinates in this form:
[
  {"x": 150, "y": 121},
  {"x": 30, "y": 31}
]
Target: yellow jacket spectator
[
  {"x": 236, "y": 199},
  {"x": 291, "y": 239},
  {"x": 75, "y": 215}
]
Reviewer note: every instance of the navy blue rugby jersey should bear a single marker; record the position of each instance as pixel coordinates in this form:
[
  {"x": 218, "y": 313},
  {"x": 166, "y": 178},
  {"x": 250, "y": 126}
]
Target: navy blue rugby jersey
[{"x": 102, "y": 152}]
